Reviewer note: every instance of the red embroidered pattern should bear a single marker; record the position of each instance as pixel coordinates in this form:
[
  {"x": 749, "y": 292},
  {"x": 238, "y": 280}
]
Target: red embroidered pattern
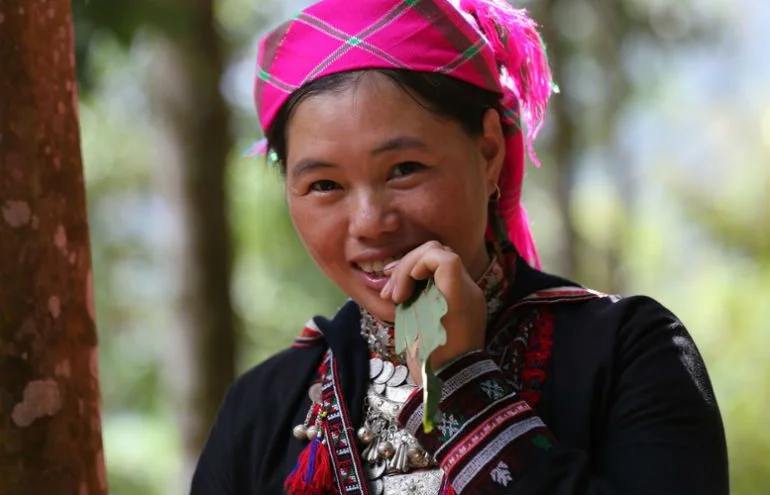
[
  {"x": 348, "y": 469},
  {"x": 309, "y": 337},
  {"x": 509, "y": 344},
  {"x": 481, "y": 433},
  {"x": 537, "y": 356},
  {"x": 522, "y": 350}
]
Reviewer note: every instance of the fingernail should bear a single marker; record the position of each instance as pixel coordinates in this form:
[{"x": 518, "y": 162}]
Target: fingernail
[
  {"x": 385, "y": 292},
  {"x": 390, "y": 266},
  {"x": 393, "y": 293}
]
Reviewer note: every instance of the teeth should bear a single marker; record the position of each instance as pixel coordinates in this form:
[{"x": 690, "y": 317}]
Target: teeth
[{"x": 377, "y": 267}]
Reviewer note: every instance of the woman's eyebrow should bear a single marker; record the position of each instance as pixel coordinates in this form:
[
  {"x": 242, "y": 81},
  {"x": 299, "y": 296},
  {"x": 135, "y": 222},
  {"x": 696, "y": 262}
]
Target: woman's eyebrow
[
  {"x": 307, "y": 165},
  {"x": 399, "y": 143}
]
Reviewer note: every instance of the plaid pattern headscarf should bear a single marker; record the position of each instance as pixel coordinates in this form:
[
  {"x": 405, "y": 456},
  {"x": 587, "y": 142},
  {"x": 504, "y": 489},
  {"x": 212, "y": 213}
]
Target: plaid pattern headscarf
[{"x": 486, "y": 43}]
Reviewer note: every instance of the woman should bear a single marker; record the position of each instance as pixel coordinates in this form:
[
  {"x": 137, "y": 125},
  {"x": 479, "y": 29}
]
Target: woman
[{"x": 397, "y": 124}]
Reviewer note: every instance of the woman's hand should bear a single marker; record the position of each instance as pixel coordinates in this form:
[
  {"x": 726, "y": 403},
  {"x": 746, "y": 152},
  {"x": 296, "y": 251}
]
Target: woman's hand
[{"x": 465, "y": 320}]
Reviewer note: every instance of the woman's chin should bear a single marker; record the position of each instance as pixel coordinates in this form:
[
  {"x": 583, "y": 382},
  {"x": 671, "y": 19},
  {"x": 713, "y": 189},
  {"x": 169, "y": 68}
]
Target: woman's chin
[{"x": 380, "y": 308}]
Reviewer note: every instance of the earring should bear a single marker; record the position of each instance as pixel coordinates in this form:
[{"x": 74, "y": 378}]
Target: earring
[{"x": 496, "y": 195}]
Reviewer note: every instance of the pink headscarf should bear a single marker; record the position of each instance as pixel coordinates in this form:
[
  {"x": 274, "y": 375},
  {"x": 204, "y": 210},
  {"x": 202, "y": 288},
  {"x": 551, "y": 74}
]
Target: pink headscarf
[{"x": 486, "y": 43}]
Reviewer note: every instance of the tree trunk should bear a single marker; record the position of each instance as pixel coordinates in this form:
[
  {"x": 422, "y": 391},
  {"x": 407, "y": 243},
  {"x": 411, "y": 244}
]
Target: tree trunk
[
  {"x": 50, "y": 426},
  {"x": 195, "y": 121},
  {"x": 564, "y": 142},
  {"x": 620, "y": 168},
  {"x": 577, "y": 128}
]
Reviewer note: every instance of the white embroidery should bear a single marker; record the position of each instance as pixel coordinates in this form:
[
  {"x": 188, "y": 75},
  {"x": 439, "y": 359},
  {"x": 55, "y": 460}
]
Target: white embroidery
[
  {"x": 451, "y": 386},
  {"x": 466, "y": 376},
  {"x": 492, "y": 450},
  {"x": 415, "y": 420},
  {"x": 449, "y": 426},
  {"x": 493, "y": 389},
  {"x": 495, "y": 406},
  {"x": 501, "y": 474}
]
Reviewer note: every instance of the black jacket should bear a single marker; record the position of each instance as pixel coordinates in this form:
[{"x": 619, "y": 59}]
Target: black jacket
[{"x": 627, "y": 398}]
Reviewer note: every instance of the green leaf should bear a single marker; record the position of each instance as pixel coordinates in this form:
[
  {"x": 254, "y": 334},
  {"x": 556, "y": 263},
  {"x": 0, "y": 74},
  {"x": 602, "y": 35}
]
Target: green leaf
[
  {"x": 420, "y": 317},
  {"x": 431, "y": 394}
]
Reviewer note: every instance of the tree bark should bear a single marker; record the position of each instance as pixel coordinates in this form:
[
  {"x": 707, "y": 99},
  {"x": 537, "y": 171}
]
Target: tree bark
[
  {"x": 195, "y": 127},
  {"x": 565, "y": 143},
  {"x": 50, "y": 426}
]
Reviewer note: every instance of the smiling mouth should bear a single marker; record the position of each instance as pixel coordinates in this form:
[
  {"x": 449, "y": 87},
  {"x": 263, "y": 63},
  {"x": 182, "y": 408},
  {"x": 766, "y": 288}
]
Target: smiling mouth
[{"x": 376, "y": 268}]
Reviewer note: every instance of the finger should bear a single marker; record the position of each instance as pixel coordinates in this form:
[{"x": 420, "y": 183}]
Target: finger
[
  {"x": 416, "y": 252},
  {"x": 387, "y": 291},
  {"x": 433, "y": 262},
  {"x": 400, "y": 282},
  {"x": 403, "y": 279},
  {"x": 413, "y": 362},
  {"x": 387, "y": 269},
  {"x": 450, "y": 277}
]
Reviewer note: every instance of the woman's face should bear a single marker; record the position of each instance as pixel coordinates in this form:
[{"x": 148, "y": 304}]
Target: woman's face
[{"x": 371, "y": 175}]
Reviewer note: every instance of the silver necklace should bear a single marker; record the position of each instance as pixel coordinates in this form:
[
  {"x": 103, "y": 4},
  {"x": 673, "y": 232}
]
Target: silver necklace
[{"x": 394, "y": 461}]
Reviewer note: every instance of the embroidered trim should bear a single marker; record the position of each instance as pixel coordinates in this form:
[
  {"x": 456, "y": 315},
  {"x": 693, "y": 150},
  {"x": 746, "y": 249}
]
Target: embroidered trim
[
  {"x": 491, "y": 450},
  {"x": 415, "y": 420},
  {"x": 452, "y": 385},
  {"x": 481, "y": 432},
  {"x": 310, "y": 336},
  {"x": 332, "y": 420},
  {"x": 474, "y": 421},
  {"x": 467, "y": 375},
  {"x": 348, "y": 469},
  {"x": 537, "y": 356},
  {"x": 560, "y": 294},
  {"x": 508, "y": 345}
]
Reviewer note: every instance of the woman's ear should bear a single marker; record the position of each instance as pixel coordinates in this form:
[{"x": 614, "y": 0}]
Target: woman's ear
[{"x": 492, "y": 147}]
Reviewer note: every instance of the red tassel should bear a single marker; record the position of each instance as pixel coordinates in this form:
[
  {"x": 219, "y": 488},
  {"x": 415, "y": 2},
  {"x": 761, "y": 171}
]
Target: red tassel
[
  {"x": 313, "y": 473},
  {"x": 294, "y": 484},
  {"x": 323, "y": 480}
]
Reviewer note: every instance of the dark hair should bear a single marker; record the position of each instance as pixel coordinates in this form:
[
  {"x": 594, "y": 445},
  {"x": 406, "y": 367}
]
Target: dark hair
[{"x": 439, "y": 93}]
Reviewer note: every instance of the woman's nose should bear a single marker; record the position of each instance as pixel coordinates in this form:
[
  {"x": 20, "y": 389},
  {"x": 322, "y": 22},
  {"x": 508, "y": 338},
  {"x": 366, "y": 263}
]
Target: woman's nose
[{"x": 371, "y": 215}]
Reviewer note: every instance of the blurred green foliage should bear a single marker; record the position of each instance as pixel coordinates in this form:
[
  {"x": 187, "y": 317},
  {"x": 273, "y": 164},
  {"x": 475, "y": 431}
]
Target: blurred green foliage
[{"x": 698, "y": 238}]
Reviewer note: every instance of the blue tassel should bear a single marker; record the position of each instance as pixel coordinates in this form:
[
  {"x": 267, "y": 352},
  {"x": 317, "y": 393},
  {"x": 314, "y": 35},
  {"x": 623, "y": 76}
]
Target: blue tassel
[
  {"x": 310, "y": 471},
  {"x": 312, "y": 475}
]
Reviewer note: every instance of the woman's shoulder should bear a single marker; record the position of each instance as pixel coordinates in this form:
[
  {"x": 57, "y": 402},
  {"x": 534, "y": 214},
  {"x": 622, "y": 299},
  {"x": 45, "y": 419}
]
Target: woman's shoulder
[
  {"x": 615, "y": 333},
  {"x": 256, "y": 404},
  {"x": 588, "y": 322},
  {"x": 293, "y": 367},
  {"x": 580, "y": 306},
  {"x": 270, "y": 383},
  {"x": 288, "y": 364},
  {"x": 585, "y": 306},
  {"x": 283, "y": 363},
  {"x": 625, "y": 316},
  {"x": 586, "y": 310}
]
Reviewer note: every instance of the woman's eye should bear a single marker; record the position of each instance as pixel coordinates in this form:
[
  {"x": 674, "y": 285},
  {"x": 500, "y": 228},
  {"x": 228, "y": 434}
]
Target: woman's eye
[
  {"x": 324, "y": 186},
  {"x": 406, "y": 168}
]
